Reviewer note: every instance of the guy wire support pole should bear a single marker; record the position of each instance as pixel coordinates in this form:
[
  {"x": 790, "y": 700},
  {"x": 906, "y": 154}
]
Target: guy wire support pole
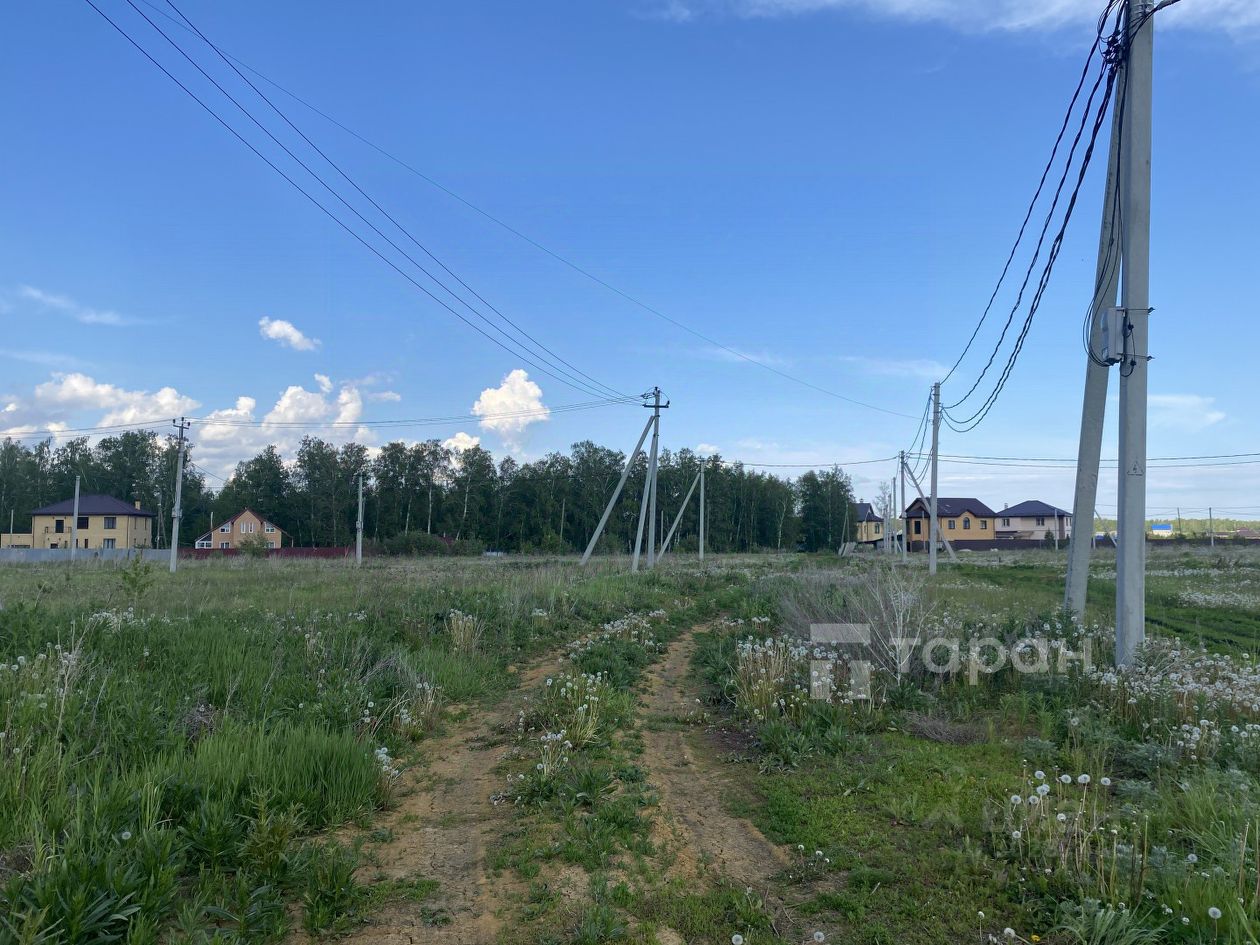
[
  {"x": 1135, "y": 178},
  {"x": 1094, "y": 406},
  {"x": 934, "y": 532},
  {"x": 177, "y": 510},
  {"x": 625, "y": 474},
  {"x": 678, "y": 519}
]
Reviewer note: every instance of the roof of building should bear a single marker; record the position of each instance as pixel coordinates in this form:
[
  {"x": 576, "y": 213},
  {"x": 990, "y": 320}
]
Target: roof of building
[
  {"x": 231, "y": 520},
  {"x": 1033, "y": 508},
  {"x": 950, "y": 507},
  {"x": 866, "y": 513},
  {"x": 94, "y": 505}
]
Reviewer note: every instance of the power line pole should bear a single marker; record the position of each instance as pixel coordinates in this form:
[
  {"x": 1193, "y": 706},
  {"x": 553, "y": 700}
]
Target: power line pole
[
  {"x": 358, "y": 528},
  {"x": 177, "y": 509},
  {"x": 934, "y": 527},
  {"x": 656, "y": 440},
  {"x": 1097, "y": 374},
  {"x": 74, "y": 525},
  {"x": 905, "y": 522},
  {"x": 1211, "y": 528},
  {"x": 1135, "y": 176},
  {"x": 625, "y": 474},
  {"x": 702, "y": 465}
]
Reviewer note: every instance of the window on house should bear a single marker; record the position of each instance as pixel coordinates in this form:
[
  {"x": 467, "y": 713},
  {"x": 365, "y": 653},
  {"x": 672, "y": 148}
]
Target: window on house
[
  {"x": 108, "y": 543},
  {"x": 111, "y": 522},
  {"x": 269, "y": 529},
  {"x": 225, "y": 544},
  {"x": 83, "y": 521},
  {"x": 271, "y": 544},
  {"x": 85, "y": 542},
  {"x": 1041, "y": 520},
  {"x": 1006, "y": 523},
  {"x": 205, "y": 544},
  {"x": 52, "y": 544},
  {"x": 246, "y": 527},
  {"x": 918, "y": 526},
  {"x": 59, "y": 527},
  {"x": 225, "y": 529},
  {"x": 966, "y": 524},
  {"x": 952, "y": 524},
  {"x": 878, "y": 528},
  {"x": 984, "y": 525}
]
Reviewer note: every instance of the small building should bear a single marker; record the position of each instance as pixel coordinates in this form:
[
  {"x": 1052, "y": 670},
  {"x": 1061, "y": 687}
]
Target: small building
[
  {"x": 104, "y": 523},
  {"x": 243, "y": 528},
  {"x": 870, "y": 526},
  {"x": 1161, "y": 530},
  {"x": 1034, "y": 521},
  {"x": 961, "y": 519}
]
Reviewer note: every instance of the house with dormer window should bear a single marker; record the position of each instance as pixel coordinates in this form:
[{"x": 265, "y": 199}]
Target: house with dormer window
[{"x": 246, "y": 526}]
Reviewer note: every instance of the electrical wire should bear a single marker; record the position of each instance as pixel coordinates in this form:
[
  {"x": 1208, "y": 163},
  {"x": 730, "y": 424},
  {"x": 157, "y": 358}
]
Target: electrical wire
[
  {"x": 305, "y": 193},
  {"x": 575, "y": 267},
  {"x": 543, "y": 350}
]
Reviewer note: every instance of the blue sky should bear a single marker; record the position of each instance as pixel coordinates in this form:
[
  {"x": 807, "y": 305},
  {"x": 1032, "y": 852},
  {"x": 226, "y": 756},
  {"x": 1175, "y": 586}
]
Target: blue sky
[{"x": 829, "y": 186}]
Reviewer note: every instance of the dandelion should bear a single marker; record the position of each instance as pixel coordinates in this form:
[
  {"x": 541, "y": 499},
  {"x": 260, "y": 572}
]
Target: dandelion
[
  {"x": 1214, "y": 913},
  {"x": 737, "y": 939},
  {"x": 1082, "y": 779},
  {"x": 1065, "y": 779},
  {"x": 819, "y": 937},
  {"x": 1043, "y": 790},
  {"x": 1016, "y": 800},
  {"x": 1105, "y": 782},
  {"x": 1061, "y": 818},
  {"x": 1039, "y": 775},
  {"x": 1015, "y": 834},
  {"x": 126, "y": 835},
  {"x": 1008, "y": 932},
  {"x": 1191, "y": 858}
]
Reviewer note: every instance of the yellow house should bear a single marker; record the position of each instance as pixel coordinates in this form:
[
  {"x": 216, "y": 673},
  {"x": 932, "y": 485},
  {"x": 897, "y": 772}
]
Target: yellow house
[
  {"x": 245, "y": 526},
  {"x": 104, "y": 522},
  {"x": 960, "y": 520},
  {"x": 870, "y": 526}
]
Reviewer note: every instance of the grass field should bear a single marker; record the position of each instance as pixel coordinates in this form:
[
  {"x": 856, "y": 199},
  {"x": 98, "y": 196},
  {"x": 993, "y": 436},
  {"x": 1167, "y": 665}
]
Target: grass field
[{"x": 520, "y": 750}]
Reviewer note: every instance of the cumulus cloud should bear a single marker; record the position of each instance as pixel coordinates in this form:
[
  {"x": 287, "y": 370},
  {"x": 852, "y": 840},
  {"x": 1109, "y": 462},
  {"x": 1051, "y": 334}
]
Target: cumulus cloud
[
  {"x": 1236, "y": 16},
  {"x": 385, "y": 396},
  {"x": 510, "y": 408},
  {"x": 287, "y": 334},
  {"x": 461, "y": 441},
  {"x": 70, "y": 392},
  {"x": 325, "y": 382}
]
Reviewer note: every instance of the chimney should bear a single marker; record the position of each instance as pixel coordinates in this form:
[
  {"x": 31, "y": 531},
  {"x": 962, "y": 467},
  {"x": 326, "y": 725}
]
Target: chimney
[{"x": 137, "y": 504}]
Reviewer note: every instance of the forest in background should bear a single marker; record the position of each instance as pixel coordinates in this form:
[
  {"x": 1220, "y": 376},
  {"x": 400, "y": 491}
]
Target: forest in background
[{"x": 425, "y": 497}]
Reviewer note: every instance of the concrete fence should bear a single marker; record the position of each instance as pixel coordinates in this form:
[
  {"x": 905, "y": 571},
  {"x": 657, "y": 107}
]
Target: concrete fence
[{"x": 82, "y": 556}]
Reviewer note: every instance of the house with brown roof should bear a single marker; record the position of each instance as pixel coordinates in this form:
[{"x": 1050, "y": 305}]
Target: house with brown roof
[
  {"x": 870, "y": 525},
  {"x": 246, "y": 527},
  {"x": 103, "y": 523}
]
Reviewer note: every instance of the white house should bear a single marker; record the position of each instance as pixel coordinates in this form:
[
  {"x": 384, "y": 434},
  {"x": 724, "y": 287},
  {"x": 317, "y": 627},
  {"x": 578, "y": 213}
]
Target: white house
[{"x": 1033, "y": 520}]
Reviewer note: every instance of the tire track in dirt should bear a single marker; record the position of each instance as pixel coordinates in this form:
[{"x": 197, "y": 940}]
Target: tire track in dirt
[
  {"x": 441, "y": 829},
  {"x": 692, "y": 784}
]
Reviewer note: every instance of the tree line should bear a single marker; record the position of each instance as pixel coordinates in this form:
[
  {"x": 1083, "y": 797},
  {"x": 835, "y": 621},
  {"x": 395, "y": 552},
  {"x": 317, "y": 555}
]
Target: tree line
[{"x": 425, "y": 497}]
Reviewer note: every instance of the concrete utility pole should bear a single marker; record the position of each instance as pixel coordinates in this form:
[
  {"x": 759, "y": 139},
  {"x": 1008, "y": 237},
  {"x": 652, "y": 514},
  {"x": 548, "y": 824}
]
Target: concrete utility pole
[
  {"x": 905, "y": 522},
  {"x": 177, "y": 509},
  {"x": 656, "y": 441},
  {"x": 11, "y": 528},
  {"x": 625, "y": 474},
  {"x": 1097, "y": 372},
  {"x": 678, "y": 519},
  {"x": 1135, "y": 177},
  {"x": 74, "y": 522},
  {"x": 702, "y": 464},
  {"x": 1211, "y": 528},
  {"x": 934, "y": 528},
  {"x": 358, "y": 528}
]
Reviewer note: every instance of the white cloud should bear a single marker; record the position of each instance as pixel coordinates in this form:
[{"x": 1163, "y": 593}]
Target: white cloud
[
  {"x": 1235, "y": 16},
  {"x": 287, "y": 334},
  {"x": 69, "y": 392},
  {"x": 921, "y": 368},
  {"x": 461, "y": 441},
  {"x": 1184, "y": 413},
  {"x": 325, "y": 382},
  {"x": 385, "y": 396},
  {"x": 510, "y": 408},
  {"x": 67, "y": 305},
  {"x": 707, "y": 449}
]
